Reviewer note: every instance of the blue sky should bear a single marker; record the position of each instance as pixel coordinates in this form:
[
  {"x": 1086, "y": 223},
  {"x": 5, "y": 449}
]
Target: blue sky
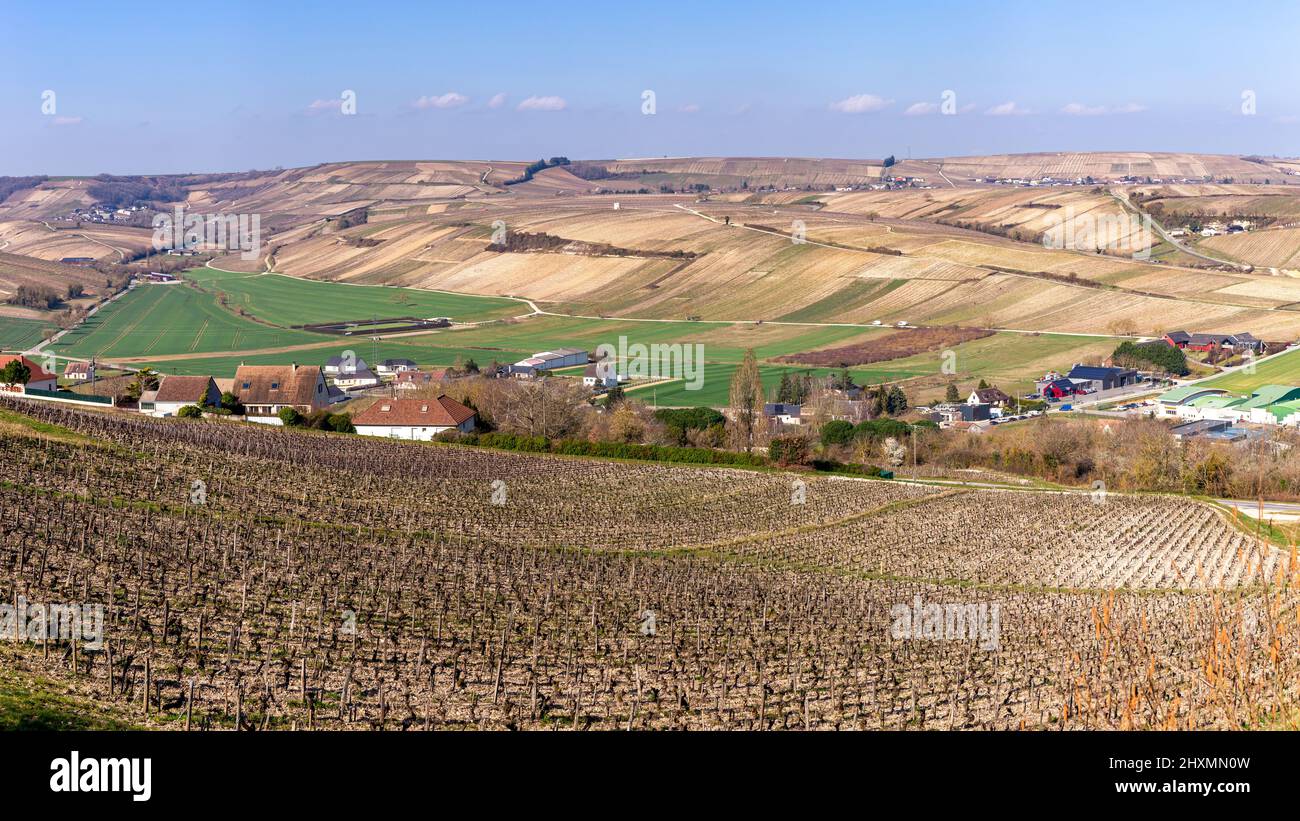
[{"x": 236, "y": 85}]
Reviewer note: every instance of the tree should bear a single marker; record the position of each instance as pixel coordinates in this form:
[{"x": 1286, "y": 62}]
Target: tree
[
  {"x": 878, "y": 406},
  {"x": 342, "y": 423},
  {"x": 471, "y": 366},
  {"x": 746, "y": 402},
  {"x": 190, "y": 412},
  {"x": 626, "y": 426},
  {"x": 983, "y": 385},
  {"x": 895, "y": 452},
  {"x": 290, "y": 417},
  {"x": 15, "y": 373},
  {"x": 837, "y": 432},
  {"x": 785, "y": 389},
  {"x": 146, "y": 379},
  {"x": 896, "y": 403},
  {"x": 231, "y": 402},
  {"x": 952, "y": 395}
]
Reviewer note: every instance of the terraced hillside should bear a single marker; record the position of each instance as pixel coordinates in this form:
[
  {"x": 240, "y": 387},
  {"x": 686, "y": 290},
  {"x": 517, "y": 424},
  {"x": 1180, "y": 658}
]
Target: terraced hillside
[{"x": 270, "y": 579}]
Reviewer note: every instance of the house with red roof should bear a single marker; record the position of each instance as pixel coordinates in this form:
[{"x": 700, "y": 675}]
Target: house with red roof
[
  {"x": 419, "y": 419},
  {"x": 41, "y": 379}
]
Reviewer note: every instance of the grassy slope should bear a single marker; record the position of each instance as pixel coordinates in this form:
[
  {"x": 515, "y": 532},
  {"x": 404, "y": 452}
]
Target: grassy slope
[
  {"x": 29, "y": 701},
  {"x": 1282, "y": 370},
  {"x": 20, "y": 334},
  {"x": 171, "y": 319},
  {"x": 286, "y": 301}
]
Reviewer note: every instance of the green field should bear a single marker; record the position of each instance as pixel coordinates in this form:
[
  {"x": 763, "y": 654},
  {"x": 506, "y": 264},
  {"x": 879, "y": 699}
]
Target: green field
[
  {"x": 288, "y": 301},
  {"x": 724, "y": 343},
  {"x": 1010, "y": 360},
  {"x": 171, "y": 319},
  {"x": 1283, "y": 369},
  {"x": 20, "y": 334}
]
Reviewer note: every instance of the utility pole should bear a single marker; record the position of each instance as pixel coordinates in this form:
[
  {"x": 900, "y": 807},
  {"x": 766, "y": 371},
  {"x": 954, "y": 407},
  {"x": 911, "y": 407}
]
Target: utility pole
[{"x": 913, "y": 452}]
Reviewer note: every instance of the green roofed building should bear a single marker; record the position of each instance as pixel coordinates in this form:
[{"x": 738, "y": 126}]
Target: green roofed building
[
  {"x": 1170, "y": 401},
  {"x": 1286, "y": 413},
  {"x": 1271, "y": 395},
  {"x": 1266, "y": 405}
]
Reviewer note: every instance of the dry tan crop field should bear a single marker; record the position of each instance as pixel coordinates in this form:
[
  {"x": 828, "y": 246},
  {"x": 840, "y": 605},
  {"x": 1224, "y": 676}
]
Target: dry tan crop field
[
  {"x": 969, "y": 254},
  {"x": 940, "y": 256},
  {"x": 300, "y": 597}
]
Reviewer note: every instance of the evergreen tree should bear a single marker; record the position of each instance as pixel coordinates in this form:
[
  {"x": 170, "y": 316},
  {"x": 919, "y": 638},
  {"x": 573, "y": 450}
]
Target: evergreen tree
[
  {"x": 785, "y": 391},
  {"x": 952, "y": 395},
  {"x": 896, "y": 401}
]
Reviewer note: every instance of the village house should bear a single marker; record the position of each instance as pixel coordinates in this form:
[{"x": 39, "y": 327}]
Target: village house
[
  {"x": 411, "y": 380},
  {"x": 600, "y": 375},
  {"x": 265, "y": 390},
  {"x": 175, "y": 392},
  {"x": 418, "y": 419},
  {"x": 40, "y": 380},
  {"x": 392, "y": 367},
  {"x": 344, "y": 364},
  {"x": 1208, "y": 342},
  {"x": 79, "y": 371},
  {"x": 988, "y": 396},
  {"x": 356, "y": 379},
  {"x": 783, "y": 413}
]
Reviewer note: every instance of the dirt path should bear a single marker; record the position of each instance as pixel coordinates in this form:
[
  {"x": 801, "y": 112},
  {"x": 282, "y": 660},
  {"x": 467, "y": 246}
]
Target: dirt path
[{"x": 121, "y": 255}]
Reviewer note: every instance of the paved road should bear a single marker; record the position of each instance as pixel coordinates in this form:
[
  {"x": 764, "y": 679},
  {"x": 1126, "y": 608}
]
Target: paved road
[
  {"x": 1277, "y": 511},
  {"x": 1123, "y": 198}
]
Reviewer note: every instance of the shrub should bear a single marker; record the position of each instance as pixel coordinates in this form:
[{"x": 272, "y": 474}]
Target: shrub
[
  {"x": 837, "y": 432},
  {"x": 190, "y": 412},
  {"x": 788, "y": 450}
]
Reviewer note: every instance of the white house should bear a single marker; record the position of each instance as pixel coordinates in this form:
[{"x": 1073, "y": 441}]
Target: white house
[
  {"x": 360, "y": 378},
  {"x": 79, "y": 371},
  {"x": 419, "y": 419},
  {"x": 392, "y": 367},
  {"x": 344, "y": 364},
  {"x": 265, "y": 390},
  {"x": 175, "y": 392},
  {"x": 600, "y": 375}
]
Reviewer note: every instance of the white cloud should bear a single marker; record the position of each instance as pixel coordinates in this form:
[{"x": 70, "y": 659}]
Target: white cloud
[
  {"x": 1081, "y": 110},
  {"x": 497, "y": 100},
  {"x": 860, "y": 104},
  {"x": 449, "y": 100},
  {"x": 920, "y": 109},
  {"x": 1005, "y": 109},
  {"x": 689, "y": 108},
  {"x": 543, "y": 104},
  {"x": 61, "y": 120}
]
